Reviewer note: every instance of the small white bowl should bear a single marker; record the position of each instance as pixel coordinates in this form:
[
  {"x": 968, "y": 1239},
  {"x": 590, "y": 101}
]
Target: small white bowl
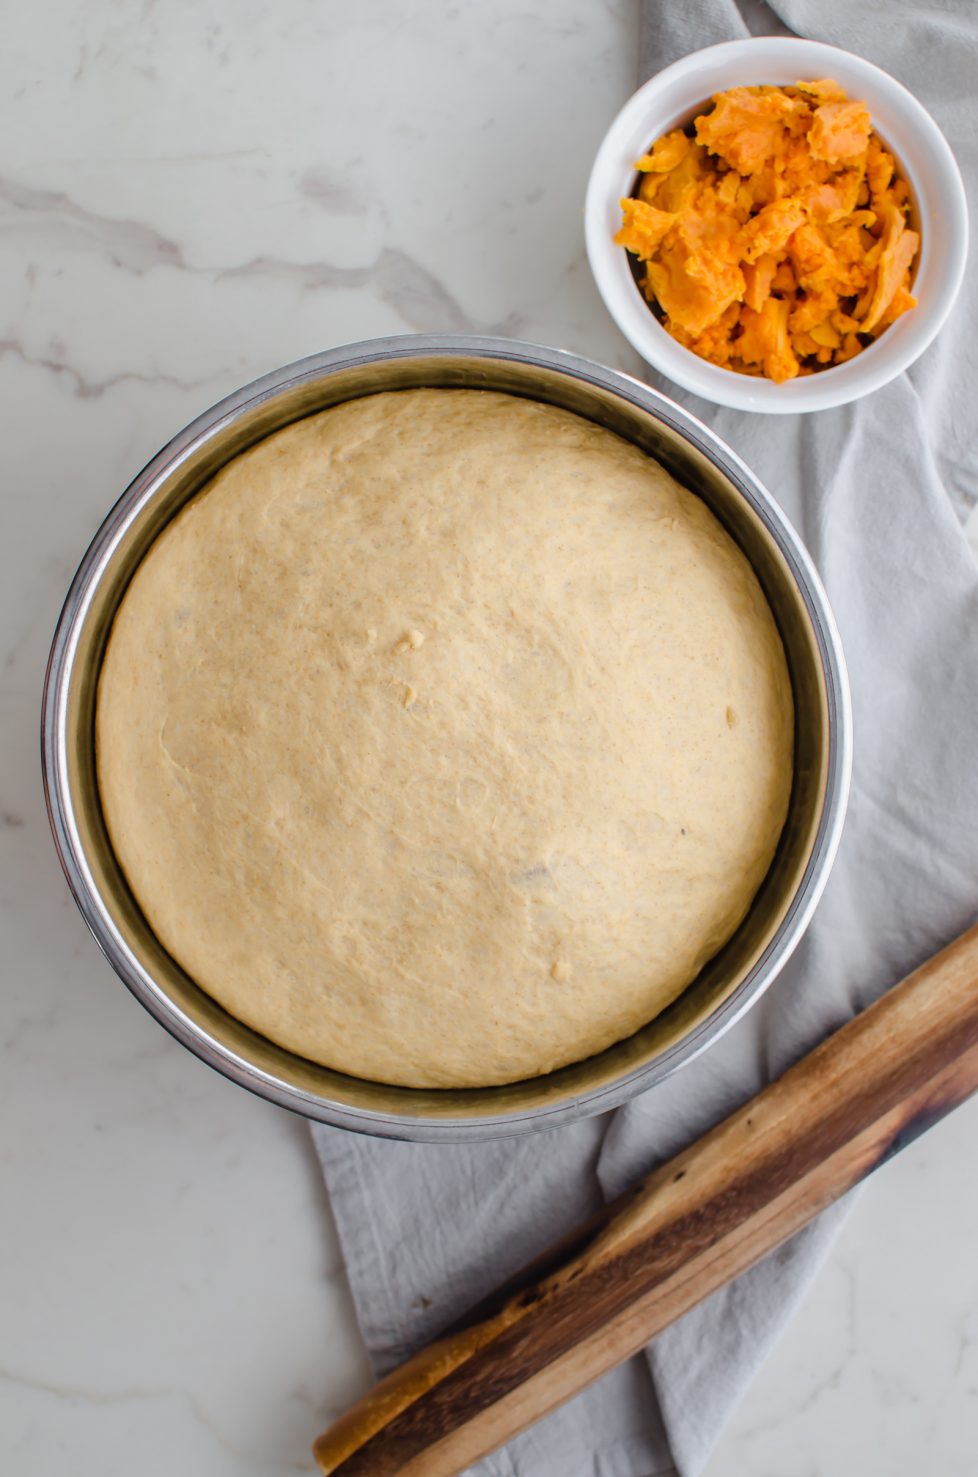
[{"x": 672, "y": 99}]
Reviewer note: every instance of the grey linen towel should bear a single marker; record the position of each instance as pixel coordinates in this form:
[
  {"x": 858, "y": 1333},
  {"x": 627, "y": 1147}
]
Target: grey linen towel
[{"x": 877, "y": 490}]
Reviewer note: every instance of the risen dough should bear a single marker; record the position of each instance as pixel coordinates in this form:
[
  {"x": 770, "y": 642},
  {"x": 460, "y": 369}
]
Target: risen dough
[{"x": 443, "y": 737}]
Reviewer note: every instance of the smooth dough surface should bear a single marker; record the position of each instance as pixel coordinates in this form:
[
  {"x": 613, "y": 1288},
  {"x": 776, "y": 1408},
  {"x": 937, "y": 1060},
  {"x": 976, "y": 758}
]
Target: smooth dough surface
[{"x": 443, "y": 737}]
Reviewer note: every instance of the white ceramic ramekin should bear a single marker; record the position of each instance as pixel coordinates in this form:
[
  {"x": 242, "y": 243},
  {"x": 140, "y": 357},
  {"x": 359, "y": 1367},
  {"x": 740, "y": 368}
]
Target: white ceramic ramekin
[{"x": 673, "y": 98}]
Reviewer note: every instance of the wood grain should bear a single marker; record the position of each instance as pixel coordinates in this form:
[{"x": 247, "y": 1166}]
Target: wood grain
[{"x": 694, "y": 1224}]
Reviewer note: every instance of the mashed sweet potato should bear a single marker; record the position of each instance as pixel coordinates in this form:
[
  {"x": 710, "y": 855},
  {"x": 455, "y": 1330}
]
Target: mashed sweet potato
[{"x": 773, "y": 233}]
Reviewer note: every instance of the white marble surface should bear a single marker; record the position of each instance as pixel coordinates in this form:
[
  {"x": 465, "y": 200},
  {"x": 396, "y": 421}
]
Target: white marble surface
[{"x": 191, "y": 194}]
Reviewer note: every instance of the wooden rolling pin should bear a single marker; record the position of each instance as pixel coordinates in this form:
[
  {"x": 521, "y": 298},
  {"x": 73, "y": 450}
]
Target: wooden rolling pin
[{"x": 694, "y": 1224}]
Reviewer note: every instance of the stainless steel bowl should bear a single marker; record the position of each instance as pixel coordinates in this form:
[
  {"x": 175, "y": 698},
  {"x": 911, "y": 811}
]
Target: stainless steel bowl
[{"x": 728, "y": 984}]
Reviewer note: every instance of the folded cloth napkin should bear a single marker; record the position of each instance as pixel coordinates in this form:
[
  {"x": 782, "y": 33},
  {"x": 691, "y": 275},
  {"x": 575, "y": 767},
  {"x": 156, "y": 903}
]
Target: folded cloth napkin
[{"x": 877, "y": 490}]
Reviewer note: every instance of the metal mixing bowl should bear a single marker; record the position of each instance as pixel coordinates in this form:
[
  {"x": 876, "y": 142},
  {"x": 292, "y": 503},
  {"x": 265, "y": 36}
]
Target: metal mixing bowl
[{"x": 727, "y": 985}]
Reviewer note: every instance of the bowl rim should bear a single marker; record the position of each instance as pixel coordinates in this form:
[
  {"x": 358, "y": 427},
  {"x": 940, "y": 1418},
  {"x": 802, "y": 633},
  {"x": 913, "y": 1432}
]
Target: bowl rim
[
  {"x": 924, "y": 155},
  {"x": 55, "y": 736}
]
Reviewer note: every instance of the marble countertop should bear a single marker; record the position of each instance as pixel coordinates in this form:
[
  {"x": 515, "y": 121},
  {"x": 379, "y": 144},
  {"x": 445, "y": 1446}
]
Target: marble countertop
[{"x": 189, "y": 196}]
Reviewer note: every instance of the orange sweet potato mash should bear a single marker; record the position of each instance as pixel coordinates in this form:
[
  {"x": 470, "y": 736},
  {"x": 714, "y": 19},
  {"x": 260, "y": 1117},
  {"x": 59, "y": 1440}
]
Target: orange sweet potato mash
[{"x": 773, "y": 234}]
